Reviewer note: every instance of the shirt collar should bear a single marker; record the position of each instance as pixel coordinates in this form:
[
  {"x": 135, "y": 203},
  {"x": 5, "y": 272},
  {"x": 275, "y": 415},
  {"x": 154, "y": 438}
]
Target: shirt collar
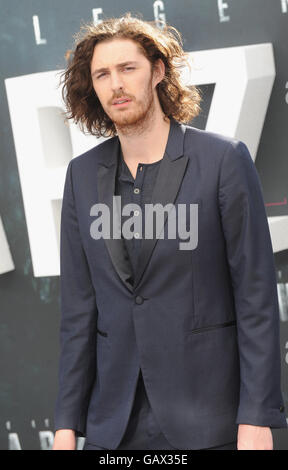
[{"x": 124, "y": 173}]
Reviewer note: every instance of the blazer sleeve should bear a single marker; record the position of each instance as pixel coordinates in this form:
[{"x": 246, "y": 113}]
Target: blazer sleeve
[
  {"x": 77, "y": 362},
  {"x": 251, "y": 264}
]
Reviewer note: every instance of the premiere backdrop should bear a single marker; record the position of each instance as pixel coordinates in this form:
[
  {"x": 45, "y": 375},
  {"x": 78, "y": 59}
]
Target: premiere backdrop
[{"x": 239, "y": 58}]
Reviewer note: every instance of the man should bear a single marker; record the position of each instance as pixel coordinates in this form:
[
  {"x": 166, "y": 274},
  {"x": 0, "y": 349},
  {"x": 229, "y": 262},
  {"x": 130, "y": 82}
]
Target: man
[{"x": 161, "y": 348}]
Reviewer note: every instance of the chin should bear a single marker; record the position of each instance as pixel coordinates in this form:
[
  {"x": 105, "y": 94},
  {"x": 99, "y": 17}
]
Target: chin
[{"x": 125, "y": 119}]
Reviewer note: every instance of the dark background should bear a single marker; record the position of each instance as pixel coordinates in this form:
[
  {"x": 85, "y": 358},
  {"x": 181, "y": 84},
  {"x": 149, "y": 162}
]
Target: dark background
[{"x": 29, "y": 306}]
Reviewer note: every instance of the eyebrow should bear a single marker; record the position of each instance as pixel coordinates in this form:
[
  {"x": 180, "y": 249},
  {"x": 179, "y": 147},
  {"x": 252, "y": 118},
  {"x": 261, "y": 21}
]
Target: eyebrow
[{"x": 104, "y": 69}]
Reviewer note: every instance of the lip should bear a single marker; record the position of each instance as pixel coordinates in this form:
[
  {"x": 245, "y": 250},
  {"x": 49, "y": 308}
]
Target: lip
[{"x": 122, "y": 104}]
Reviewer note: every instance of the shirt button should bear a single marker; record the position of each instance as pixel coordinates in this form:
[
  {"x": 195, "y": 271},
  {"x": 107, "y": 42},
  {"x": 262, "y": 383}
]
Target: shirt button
[
  {"x": 136, "y": 235},
  {"x": 136, "y": 212},
  {"x": 136, "y": 190},
  {"x": 139, "y": 300}
]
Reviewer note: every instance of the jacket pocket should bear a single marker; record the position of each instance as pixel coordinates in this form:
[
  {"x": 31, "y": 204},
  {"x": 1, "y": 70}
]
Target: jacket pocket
[
  {"x": 102, "y": 333},
  {"x": 212, "y": 327}
]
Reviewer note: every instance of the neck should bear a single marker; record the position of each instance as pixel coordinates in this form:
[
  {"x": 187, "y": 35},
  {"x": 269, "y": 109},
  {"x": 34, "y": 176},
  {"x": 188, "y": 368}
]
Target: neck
[{"x": 145, "y": 145}]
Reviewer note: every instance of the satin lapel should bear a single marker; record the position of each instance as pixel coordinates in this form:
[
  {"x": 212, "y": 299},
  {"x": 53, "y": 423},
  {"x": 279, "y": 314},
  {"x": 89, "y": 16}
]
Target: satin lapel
[
  {"x": 172, "y": 169},
  {"x": 168, "y": 182},
  {"x": 106, "y": 175}
]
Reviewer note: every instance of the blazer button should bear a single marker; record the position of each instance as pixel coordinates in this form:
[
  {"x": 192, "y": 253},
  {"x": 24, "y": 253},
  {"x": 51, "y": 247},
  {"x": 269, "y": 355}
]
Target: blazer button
[
  {"x": 281, "y": 409},
  {"x": 139, "y": 300}
]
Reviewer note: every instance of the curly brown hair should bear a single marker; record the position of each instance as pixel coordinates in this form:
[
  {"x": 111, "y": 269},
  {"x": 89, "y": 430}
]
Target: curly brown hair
[{"x": 177, "y": 100}]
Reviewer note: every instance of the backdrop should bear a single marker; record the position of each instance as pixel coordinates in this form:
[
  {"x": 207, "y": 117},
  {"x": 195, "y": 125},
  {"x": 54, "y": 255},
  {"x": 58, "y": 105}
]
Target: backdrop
[{"x": 34, "y": 36}]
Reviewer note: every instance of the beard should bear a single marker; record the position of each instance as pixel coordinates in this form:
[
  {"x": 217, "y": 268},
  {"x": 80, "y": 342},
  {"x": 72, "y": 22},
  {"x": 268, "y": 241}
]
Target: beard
[{"x": 137, "y": 119}]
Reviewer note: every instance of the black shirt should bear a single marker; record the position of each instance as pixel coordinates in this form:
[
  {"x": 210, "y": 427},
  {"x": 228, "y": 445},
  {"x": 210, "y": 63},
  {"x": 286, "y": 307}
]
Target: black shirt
[{"x": 137, "y": 191}]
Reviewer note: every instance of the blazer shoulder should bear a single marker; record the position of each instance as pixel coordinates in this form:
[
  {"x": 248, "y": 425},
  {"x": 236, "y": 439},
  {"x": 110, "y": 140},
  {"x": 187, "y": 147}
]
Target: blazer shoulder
[
  {"x": 93, "y": 155},
  {"x": 207, "y": 140},
  {"x": 214, "y": 149}
]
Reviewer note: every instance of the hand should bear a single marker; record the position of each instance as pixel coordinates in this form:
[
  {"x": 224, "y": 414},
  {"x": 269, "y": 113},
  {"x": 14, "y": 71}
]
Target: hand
[
  {"x": 64, "y": 440},
  {"x": 254, "y": 437}
]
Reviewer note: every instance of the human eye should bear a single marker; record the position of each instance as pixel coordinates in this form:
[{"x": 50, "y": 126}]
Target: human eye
[{"x": 101, "y": 75}]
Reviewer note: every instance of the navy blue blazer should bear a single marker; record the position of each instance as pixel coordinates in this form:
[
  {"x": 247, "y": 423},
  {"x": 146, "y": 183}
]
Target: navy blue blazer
[{"x": 202, "y": 324}]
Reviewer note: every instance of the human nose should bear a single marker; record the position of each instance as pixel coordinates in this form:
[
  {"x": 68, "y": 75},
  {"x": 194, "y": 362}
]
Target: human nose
[{"x": 116, "y": 81}]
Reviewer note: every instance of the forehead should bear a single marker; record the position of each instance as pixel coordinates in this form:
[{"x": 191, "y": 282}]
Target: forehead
[{"x": 110, "y": 52}]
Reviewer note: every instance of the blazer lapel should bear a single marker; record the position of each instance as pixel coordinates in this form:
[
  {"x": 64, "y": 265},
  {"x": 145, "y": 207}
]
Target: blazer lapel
[
  {"x": 172, "y": 169},
  {"x": 106, "y": 175}
]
